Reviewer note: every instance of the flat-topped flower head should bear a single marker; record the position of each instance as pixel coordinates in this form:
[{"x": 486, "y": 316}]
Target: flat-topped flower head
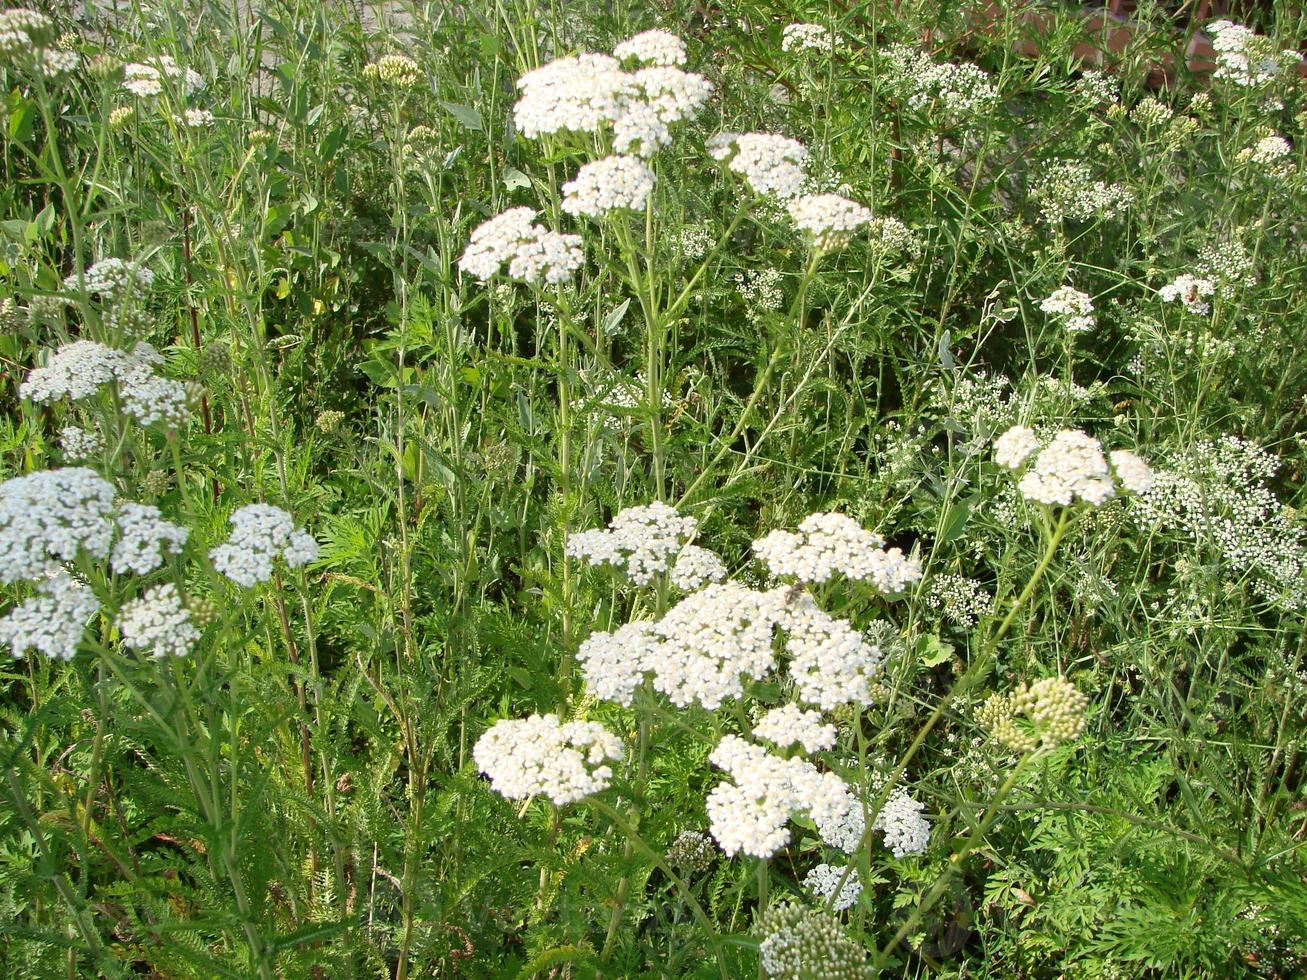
[
  {"x": 260, "y": 534},
  {"x": 50, "y": 517},
  {"x": 51, "y": 622},
  {"x": 831, "y": 663},
  {"x": 1192, "y": 291},
  {"x": 1246, "y": 58},
  {"x": 772, "y": 165},
  {"x": 532, "y": 252},
  {"x": 696, "y": 567},
  {"x": 396, "y": 70},
  {"x": 158, "y": 624},
  {"x": 639, "y": 541},
  {"x": 1014, "y": 446},
  {"x": 1071, "y": 467},
  {"x": 143, "y": 537},
  {"x": 1048, "y": 712},
  {"x": 1070, "y": 307},
  {"x": 806, "y": 37},
  {"x": 610, "y": 184},
  {"x": 652, "y": 48},
  {"x": 81, "y": 368},
  {"x": 906, "y": 830},
  {"x": 579, "y": 94},
  {"x": 791, "y": 725},
  {"x": 147, "y": 79},
  {"x": 112, "y": 280},
  {"x": 540, "y": 756},
  {"x": 1131, "y": 472},
  {"x": 822, "y": 881},
  {"x": 828, "y": 544},
  {"x": 615, "y": 664},
  {"x": 807, "y": 944},
  {"x": 829, "y": 220}
]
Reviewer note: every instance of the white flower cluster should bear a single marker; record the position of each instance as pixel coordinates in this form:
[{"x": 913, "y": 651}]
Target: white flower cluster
[
  {"x": 959, "y": 92},
  {"x": 827, "y": 544},
  {"x": 112, "y": 280},
  {"x": 81, "y": 368},
  {"x": 960, "y": 599},
  {"x": 143, "y": 536},
  {"x": 906, "y": 830},
  {"x": 197, "y": 118},
  {"x": 27, "y": 39},
  {"x": 50, "y": 517},
  {"x": 533, "y": 252},
  {"x": 589, "y": 93},
  {"x": 261, "y": 533},
  {"x": 772, "y": 165},
  {"x": 829, "y": 220},
  {"x": 1069, "y": 190},
  {"x": 760, "y": 289},
  {"x": 609, "y": 184},
  {"x": 822, "y": 881},
  {"x": 806, "y": 37},
  {"x": 791, "y": 725},
  {"x": 1218, "y": 495},
  {"x": 615, "y": 664},
  {"x": 752, "y": 813},
  {"x": 1072, "y": 307},
  {"x": 158, "y": 623},
  {"x": 1192, "y": 291},
  {"x": 1228, "y": 264},
  {"x": 1072, "y": 466},
  {"x": 541, "y": 756},
  {"x": 652, "y": 48},
  {"x": 696, "y": 567},
  {"x": 831, "y": 663},
  {"x": 78, "y": 443},
  {"x": 1245, "y": 57},
  {"x": 52, "y": 621},
  {"x": 146, "y": 80},
  {"x": 639, "y": 541}
]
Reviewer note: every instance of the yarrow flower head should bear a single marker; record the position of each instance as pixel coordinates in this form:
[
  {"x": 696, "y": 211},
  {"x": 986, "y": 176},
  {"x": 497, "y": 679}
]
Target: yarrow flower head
[
  {"x": 806, "y": 37},
  {"x": 112, "y": 280},
  {"x": 80, "y": 369},
  {"x": 50, "y": 517},
  {"x": 906, "y": 830},
  {"x": 772, "y": 165},
  {"x": 1068, "y": 190},
  {"x": 610, "y": 184},
  {"x": 827, "y": 544},
  {"x": 652, "y": 48},
  {"x": 540, "y": 756},
  {"x": 533, "y": 253},
  {"x": 1074, "y": 309},
  {"x": 1132, "y": 473},
  {"x": 822, "y": 881},
  {"x": 51, "y": 622},
  {"x": 78, "y": 443},
  {"x": 1071, "y": 467},
  {"x": 696, "y": 567},
  {"x": 158, "y": 623},
  {"x": 143, "y": 536},
  {"x": 27, "y": 40},
  {"x": 962, "y": 600},
  {"x": 831, "y": 663},
  {"x": 1192, "y": 291},
  {"x": 805, "y": 944},
  {"x": 146, "y": 79},
  {"x": 791, "y": 725},
  {"x": 958, "y": 92},
  {"x": 639, "y": 541},
  {"x": 261, "y": 533},
  {"x": 1245, "y": 57},
  {"x": 1014, "y": 446},
  {"x": 1048, "y": 712},
  {"x": 829, "y": 220}
]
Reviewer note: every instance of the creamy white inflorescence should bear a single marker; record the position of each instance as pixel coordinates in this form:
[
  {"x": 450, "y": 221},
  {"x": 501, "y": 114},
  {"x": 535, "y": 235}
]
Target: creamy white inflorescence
[
  {"x": 1073, "y": 308},
  {"x": 143, "y": 536},
  {"x": 652, "y": 48},
  {"x": 791, "y": 725},
  {"x": 696, "y": 567},
  {"x": 828, "y": 544},
  {"x": 906, "y": 830},
  {"x": 540, "y": 756},
  {"x": 639, "y": 541},
  {"x": 261, "y": 533},
  {"x": 829, "y": 220},
  {"x": 1014, "y": 446},
  {"x": 822, "y": 881},
  {"x": 532, "y": 252},
  {"x": 772, "y": 165},
  {"x": 51, "y": 622},
  {"x": 158, "y": 623},
  {"x": 610, "y": 184},
  {"x": 1070, "y": 467},
  {"x": 50, "y": 517}
]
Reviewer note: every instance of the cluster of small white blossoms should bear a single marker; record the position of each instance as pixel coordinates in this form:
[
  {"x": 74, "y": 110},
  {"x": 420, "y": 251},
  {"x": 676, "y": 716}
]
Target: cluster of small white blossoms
[
  {"x": 1271, "y": 153},
  {"x": 590, "y": 93},
  {"x": 1192, "y": 291},
  {"x": 261, "y": 533},
  {"x": 1072, "y": 466},
  {"x": 889, "y": 236},
  {"x": 829, "y": 220},
  {"x": 1228, "y": 264},
  {"x": 533, "y": 253},
  {"x": 760, "y": 289},
  {"x": 80, "y": 369},
  {"x": 772, "y": 165},
  {"x": 827, "y": 544},
  {"x": 790, "y": 725},
  {"x": 143, "y": 536},
  {"x": 1068, "y": 190},
  {"x": 822, "y": 881},
  {"x": 78, "y": 443},
  {"x": 654, "y": 47},
  {"x": 807, "y": 37},
  {"x": 146, "y": 80},
  {"x": 50, "y": 517},
  {"x": 1150, "y": 113},
  {"x": 639, "y": 541},
  {"x": 961, "y": 599},
  {"x": 958, "y": 91},
  {"x": 906, "y": 830},
  {"x": 1245, "y": 57},
  {"x": 542, "y": 756},
  {"x": 52, "y": 621},
  {"x": 1072, "y": 307},
  {"x": 1098, "y": 87},
  {"x": 752, "y": 813},
  {"x": 197, "y": 118},
  {"x": 157, "y": 623},
  {"x": 27, "y": 39},
  {"x": 831, "y": 663},
  {"x": 696, "y": 567},
  {"x": 609, "y": 184},
  {"x": 1218, "y": 494},
  {"x": 112, "y": 280}
]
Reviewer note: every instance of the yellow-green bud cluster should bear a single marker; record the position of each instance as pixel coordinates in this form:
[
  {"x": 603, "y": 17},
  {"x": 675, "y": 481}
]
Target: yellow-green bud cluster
[
  {"x": 396, "y": 70},
  {"x": 804, "y": 944},
  {"x": 329, "y": 421},
  {"x": 1048, "y": 712}
]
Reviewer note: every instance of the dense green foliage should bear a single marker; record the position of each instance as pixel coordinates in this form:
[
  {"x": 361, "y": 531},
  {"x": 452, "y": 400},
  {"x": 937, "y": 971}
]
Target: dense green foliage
[{"x": 298, "y": 796}]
